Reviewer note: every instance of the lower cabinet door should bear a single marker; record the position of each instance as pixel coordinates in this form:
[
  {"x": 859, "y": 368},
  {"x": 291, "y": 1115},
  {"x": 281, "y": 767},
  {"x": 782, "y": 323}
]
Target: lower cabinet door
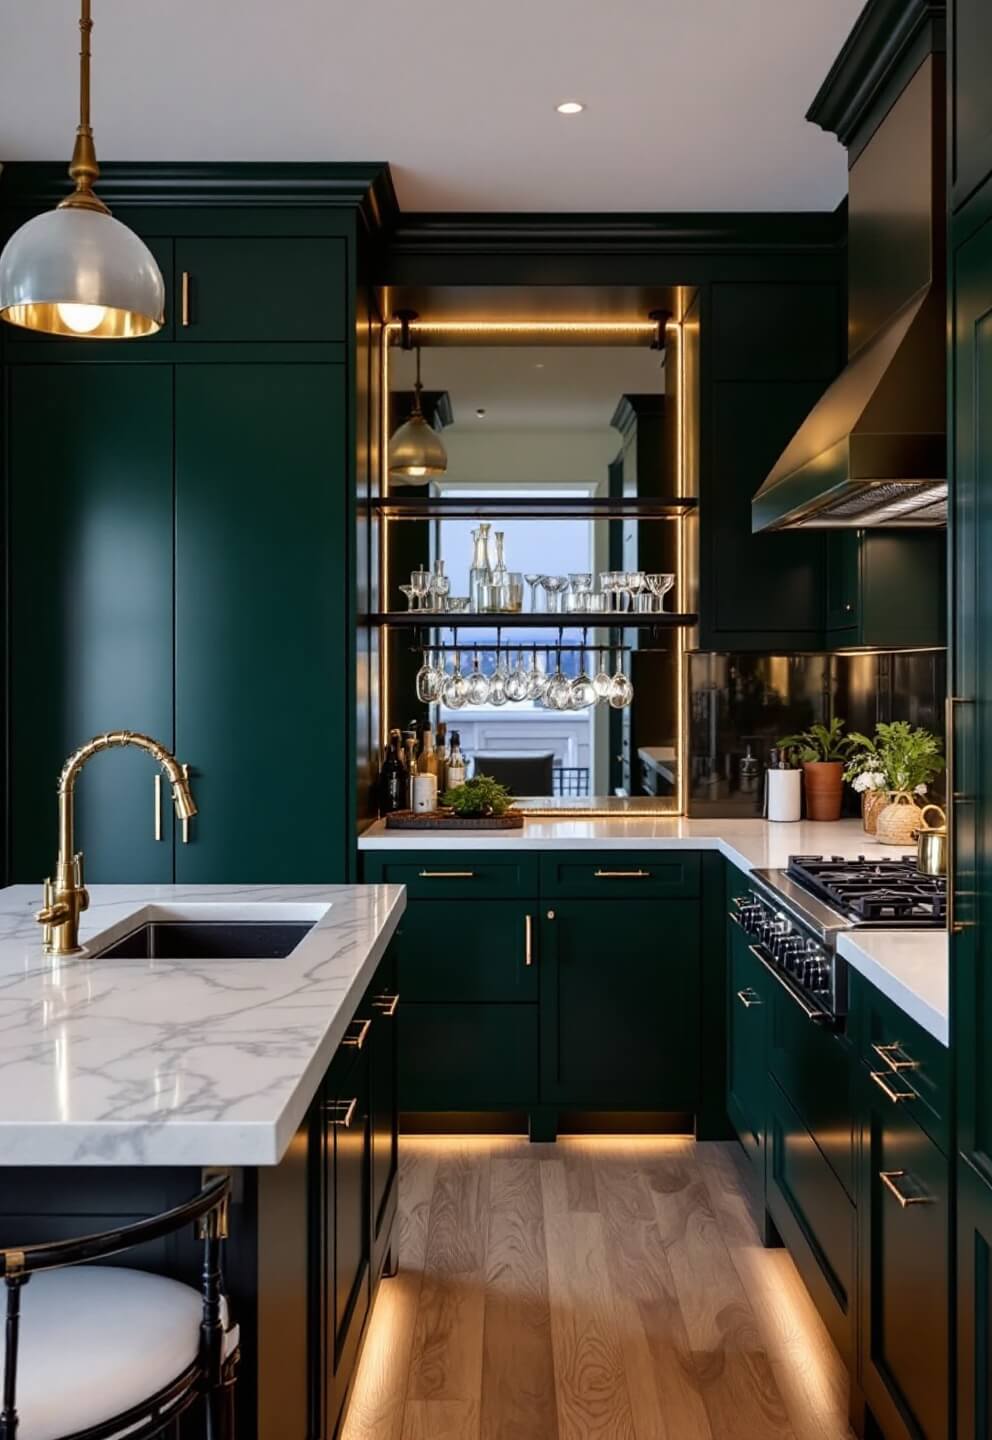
[
  {"x": 467, "y": 950},
  {"x": 383, "y": 1002},
  {"x": 468, "y": 1057},
  {"x": 974, "y": 1304},
  {"x": 620, "y": 1004},
  {"x": 905, "y": 1269},
  {"x": 814, "y": 1216},
  {"x": 347, "y": 1248},
  {"x": 747, "y": 1074}
]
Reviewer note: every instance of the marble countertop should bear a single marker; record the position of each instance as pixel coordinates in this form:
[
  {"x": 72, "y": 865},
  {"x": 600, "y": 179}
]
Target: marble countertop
[
  {"x": 177, "y": 1062},
  {"x": 749, "y": 844},
  {"x": 911, "y": 967}
]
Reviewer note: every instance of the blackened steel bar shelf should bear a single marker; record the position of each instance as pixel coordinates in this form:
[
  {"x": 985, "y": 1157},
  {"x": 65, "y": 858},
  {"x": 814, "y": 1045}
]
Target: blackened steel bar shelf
[
  {"x": 527, "y": 620},
  {"x": 533, "y": 507}
]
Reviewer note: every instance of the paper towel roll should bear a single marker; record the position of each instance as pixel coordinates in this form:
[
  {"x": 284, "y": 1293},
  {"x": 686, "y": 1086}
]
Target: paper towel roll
[{"x": 784, "y": 794}]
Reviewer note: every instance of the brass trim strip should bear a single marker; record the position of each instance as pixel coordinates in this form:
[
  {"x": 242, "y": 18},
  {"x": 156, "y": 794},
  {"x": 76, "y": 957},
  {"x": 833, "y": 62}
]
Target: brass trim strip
[
  {"x": 896, "y": 1096},
  {"x": 889, "y": 1178}
]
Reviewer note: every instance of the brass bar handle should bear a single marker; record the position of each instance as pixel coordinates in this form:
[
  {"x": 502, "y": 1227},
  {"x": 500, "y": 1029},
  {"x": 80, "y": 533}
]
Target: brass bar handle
[
  {"x": 342, "y": 1112},
  {"x": 528, "y": 940},
  {"x": 361, "y": 1035},
  {"x": 387, "y": 1004},
  {"x": 446, "y": 875},
  {"x": 749, "y": 998},
  {"x": 887, "y": 1054},
  {"x": 158, "y": 806},
  {"x": 954, "y": 926},
  {"x": 812, "y": 1012},
  {"x": 896, "y": 1096},
  {"x": 184, "y": 306},
  {"x": 889, "y": 1178},
  {"x": 185, "y": 823},
  {"x": 621, "y": 874}
]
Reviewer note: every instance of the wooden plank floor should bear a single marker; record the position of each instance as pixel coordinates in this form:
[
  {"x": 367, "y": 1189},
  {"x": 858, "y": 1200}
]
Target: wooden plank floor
[{"x": 598, "y": 1289}]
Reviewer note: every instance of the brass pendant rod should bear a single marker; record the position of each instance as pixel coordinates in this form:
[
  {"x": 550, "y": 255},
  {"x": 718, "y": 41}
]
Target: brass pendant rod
[{"x": 83, "y": 168}]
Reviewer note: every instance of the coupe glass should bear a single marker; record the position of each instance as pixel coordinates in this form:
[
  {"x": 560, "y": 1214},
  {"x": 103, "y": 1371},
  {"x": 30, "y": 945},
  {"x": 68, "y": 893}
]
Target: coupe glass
[
  {"x": 636, "y": 583},
  {"x": 478, "y": 684},
  {"x": 454, "y": 691},
  {"x": 602, "y": 680},
  {"x": 660, "y": 585},
  {"x": 518, "y": 681},
  {"x": 533, "y": 581},
  {"x": 554, "y": 585},
  {"x": 407, "y": 590}
]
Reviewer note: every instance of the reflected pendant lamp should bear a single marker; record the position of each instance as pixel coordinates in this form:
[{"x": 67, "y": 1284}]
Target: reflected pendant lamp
[
  {"x": 416, "y": 452},
  {"x": 76, "y": 271}
]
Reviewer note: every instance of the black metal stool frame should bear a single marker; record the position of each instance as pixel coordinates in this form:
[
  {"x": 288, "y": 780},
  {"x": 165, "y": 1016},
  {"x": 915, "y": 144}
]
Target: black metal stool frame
[{"x": 211, "y": 1376}]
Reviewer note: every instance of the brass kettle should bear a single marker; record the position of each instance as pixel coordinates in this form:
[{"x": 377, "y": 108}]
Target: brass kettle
[{"x": 931, "y": 844}]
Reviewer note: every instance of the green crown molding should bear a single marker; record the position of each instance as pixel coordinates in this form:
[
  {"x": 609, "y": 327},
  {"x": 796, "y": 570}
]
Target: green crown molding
[
  {"x": 886, "y": 35},
  {"x": 367, "y": 188}
]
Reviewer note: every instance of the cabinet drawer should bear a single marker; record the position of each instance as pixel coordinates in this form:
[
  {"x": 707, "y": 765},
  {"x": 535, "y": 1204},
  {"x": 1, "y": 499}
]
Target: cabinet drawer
[
  {"x": 455, "y": 875},
  {"x": 907, "y": 1061},
  {"x": 468, "y": 1057},
  {"x": 815, "y": 1069},
  {"x": 260, "y": 288},
  {"x": 747, "y": 1067},
  {"x": 467, "y": 950},
  {"x": 585, "y": 875},
  {"x": 814, "y": 1216}
]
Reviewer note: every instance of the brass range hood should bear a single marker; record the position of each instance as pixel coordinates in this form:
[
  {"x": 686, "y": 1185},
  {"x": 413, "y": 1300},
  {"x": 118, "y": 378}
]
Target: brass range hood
[{"x": 873, "y": 450}]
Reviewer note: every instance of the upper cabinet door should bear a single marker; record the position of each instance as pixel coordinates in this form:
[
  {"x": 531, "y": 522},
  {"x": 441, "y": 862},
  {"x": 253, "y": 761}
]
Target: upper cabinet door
[
  {"x": 256, "y": 289},
  {"x": 971, "y": 97},
  {"x": 90, "y": 546},
  {"x": 263, "y": 625}
]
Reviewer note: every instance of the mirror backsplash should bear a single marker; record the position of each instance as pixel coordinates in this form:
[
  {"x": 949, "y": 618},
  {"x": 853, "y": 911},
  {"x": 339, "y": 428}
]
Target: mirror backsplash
[{"x": 740, "y": 705}]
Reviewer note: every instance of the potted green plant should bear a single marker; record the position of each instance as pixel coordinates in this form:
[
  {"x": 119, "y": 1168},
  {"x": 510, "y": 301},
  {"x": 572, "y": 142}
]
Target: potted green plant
[
  {"x": 479, "y": 798},
  {"x": 909, "y": 758},
  {"x": 822, "y": 750}
]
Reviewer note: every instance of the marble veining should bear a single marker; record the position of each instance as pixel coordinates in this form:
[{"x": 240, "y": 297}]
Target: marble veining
[{"x": 177, "y": 1062}]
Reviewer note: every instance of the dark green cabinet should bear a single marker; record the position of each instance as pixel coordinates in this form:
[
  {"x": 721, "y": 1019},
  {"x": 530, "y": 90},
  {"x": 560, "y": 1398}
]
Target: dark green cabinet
[
  {"x": 906, "y": 1238},
  {"x": 468, "y": 1057},
  {"x": 747, "y": 1030},
  {"x": 885, "y": 588},
  {"x": 620, "y": 1004},
  {"x": 261, "y": 633},
  {"x": 90, "y": 494},
  {"x": 970, "y": 110},
  {"x": 252, "y": 288},
  {"x": 467, "y": 951},
  {"x": 974, "y": 1304},
  {"x": 382, "y": 1007}
]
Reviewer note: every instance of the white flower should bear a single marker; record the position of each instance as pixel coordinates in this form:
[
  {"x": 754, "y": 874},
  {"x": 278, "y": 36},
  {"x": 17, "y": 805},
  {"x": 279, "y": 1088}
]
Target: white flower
[
  {"x": 920, "y": 790},
  {"x": 861, "y": 782}
]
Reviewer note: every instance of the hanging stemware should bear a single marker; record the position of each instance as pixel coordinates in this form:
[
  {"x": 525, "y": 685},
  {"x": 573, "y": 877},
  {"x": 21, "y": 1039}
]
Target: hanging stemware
[
  {"x": 537, "y": 680},
  {"x": 478, "y": 684},
  {"x": 621, "y": 690},
  {"x": 430, "y": 680},
  {"x": 497, "y": 682},
  {"x": 602, "y": 680},
  {"x": 518, "y": 681},
  {"x": 454, "y": 691}
]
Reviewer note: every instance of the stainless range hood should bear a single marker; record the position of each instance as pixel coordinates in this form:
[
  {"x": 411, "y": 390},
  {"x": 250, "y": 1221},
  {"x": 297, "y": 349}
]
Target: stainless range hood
[{"x": 873, "y": 450}]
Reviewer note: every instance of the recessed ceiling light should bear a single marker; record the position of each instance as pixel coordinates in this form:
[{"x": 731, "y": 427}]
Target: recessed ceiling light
[
  {"x": 480, "y": 412},
  {"x": 570, "y": 107},
  {"x": 539, "y": 365}
]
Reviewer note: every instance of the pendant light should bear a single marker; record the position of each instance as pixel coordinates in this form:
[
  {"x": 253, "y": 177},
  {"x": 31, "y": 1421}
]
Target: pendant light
[
  {"x": 76, "y": 271},
  {"x": 416, "y": 452}
]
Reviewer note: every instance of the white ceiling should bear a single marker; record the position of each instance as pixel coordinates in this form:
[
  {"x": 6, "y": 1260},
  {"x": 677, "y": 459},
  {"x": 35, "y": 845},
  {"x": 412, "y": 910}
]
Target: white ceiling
[
  {"x": 532, "y": 387},
  {"x": 692, "y": 104}
]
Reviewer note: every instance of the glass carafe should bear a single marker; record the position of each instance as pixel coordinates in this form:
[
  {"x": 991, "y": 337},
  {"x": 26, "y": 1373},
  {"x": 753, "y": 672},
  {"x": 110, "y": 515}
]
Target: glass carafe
[{"x": 481, "y": 572}]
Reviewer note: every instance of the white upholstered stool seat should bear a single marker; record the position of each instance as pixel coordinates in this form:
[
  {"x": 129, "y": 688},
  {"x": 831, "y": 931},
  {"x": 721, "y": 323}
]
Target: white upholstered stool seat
[{"x": 98, "y": 1340}]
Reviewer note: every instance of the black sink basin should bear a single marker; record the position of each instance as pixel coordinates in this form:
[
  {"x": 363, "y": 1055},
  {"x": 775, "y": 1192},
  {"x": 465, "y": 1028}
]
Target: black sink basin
[{"x": 209, "y": 940}]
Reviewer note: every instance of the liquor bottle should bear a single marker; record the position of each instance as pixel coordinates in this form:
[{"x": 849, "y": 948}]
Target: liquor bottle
[
  {"x": 456, "y": 763},
  {"x": 423, "y": 787},
  {"x": 393, "y": 778},
  {"x": 427, "y": 763},
  {"x": 441, "y": 750}
]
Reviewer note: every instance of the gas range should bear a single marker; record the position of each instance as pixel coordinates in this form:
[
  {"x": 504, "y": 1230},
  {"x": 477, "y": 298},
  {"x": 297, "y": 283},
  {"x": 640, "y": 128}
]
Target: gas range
[{"x": 794, "y": 916}]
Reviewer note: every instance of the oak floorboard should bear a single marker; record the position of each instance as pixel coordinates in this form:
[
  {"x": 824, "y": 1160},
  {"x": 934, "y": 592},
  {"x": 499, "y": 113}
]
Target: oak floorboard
[
  {"x": 518, "y": 1376},
  {"x": 441, "y": 1420}
]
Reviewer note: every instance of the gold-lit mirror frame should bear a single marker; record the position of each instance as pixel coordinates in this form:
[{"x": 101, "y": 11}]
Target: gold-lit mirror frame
[{"x": 563, "y": 332}]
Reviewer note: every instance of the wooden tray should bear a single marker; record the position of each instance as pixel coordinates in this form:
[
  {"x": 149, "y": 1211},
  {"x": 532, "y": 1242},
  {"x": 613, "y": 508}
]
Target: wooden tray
[{"x": 448, "y": 820}]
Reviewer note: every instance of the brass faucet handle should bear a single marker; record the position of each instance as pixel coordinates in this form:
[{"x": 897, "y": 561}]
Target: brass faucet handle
[{"x": 55, "y": 914}]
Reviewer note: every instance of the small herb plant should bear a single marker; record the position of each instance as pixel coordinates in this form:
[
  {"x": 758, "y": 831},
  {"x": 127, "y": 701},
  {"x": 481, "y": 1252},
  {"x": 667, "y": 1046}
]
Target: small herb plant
[
  {"x": 820, "y": 743},
  {"x": 478, "y": 798},
  {"x": 898, "y": 758}
]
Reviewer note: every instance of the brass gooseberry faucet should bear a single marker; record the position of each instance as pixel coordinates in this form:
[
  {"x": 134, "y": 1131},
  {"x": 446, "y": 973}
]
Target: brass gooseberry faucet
[{"x": 66, "y": 896}]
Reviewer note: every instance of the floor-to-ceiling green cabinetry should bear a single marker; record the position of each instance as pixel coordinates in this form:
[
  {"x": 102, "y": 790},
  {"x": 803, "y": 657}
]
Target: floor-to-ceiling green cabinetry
[{"x": 181, "y": 549}]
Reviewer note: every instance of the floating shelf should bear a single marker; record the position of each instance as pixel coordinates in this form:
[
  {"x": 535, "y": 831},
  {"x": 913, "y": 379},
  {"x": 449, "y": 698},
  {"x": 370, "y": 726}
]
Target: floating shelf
[
  {"x": 532, "y": 507},
  {"x": 526, "y": 620}
]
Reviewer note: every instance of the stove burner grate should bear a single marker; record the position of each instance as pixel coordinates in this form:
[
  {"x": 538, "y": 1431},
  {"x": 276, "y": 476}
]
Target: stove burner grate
[{"x": 873, "y": 892}]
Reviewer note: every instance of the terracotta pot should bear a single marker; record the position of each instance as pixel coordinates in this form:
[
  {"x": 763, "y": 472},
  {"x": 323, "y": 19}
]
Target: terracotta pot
[
  {"x": 824, "y": 789},
  {"x": 873, "y": 802},
  {"x": 899, "y": 819}
]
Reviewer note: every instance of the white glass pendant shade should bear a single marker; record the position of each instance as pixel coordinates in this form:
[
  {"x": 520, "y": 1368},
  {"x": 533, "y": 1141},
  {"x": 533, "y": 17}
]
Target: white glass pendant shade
[{"x": 79, "y": 272}]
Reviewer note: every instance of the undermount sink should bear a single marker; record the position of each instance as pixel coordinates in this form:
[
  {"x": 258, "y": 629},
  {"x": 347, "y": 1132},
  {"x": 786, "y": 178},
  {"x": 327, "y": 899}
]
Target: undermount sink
[{"x": 208, "y": 940}]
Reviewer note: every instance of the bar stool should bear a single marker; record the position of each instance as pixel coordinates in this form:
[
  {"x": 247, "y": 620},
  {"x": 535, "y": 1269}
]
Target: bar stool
[{"x": 96, "y": 1351}]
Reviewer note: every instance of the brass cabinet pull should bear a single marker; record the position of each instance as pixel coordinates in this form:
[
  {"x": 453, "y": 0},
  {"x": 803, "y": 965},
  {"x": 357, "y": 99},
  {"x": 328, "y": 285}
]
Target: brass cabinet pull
[
  {"x": 622, "y": 874},
  {"x": 342, "y": 1112},
  {"x": 386, "y": 1003},
  {"x": 748, "y": 998},
  {"x": 361, "y": 1035},
  {"x": 158, "y": 807},
  {"x": 446, "y": 875},
  {"x": 887, "y": 1053},
  {"x": 894, "y": 1095},
  {"x": 889, "y": 1178},
  {"x": 954, "y": 925},
  {"x": 185, "y": 823},
  {"x": 528, "y": 940},
  {"x": 184, "y": 301},
  {"x": 818, "y": 1017}
]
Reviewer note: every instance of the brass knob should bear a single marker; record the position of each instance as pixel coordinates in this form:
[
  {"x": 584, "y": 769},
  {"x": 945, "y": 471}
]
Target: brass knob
[{"x": 55, "y": 914}]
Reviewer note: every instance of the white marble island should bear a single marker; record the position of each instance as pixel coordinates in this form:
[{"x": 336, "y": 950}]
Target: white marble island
[{"x": 132, "y": 1062}]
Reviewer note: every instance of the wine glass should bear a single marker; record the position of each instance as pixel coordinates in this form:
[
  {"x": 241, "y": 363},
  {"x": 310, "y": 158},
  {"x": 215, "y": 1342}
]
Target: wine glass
[
  {"x": 497, "y": 683},
  {"x": 636, "y": 583},
  {"x": 440, "y": 589},
  {"x": 430, "y": 681},
  {"x": 555, "y": 585},
  {"x": 583, "y": 692},
  {"x": 518, "y": 681},
  {"x": 454, "y": 690},
  {"x": 537, "y": 680},
  {"x": 602, "y": 680},
  {"x": 660, "y": 585},
  {"x": 407, "y": 590},
  {"x": 559, "y": 691},
  {"x": 533, "y": 581},
  {"x": 621, "y": 690},
  {"x": 421, "y": 582},
  {"x": 478, "y": 684}
]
